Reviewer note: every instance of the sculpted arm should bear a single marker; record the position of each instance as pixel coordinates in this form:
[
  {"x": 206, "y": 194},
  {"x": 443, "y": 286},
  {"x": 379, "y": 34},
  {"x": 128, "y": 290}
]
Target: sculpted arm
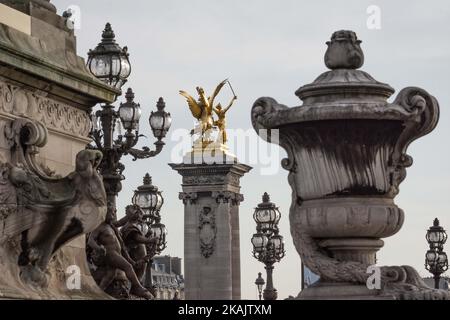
[
  {"x": 92, "y": 241},
  {"x": 121, "y": 222},
  {"x": 142, "y": 239},
  {"x": 230, "y": 104}
]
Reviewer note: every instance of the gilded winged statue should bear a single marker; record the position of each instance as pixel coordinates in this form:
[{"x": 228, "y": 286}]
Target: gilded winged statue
[{"x": 203, "y": 109}]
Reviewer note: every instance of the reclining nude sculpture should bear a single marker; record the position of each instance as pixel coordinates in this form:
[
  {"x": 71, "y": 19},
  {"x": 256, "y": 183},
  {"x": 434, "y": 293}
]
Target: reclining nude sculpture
[
  {"x": 39, "y": 211},
  {"x": 346, "y": 149},
  {"x": 110, "y": 256}
]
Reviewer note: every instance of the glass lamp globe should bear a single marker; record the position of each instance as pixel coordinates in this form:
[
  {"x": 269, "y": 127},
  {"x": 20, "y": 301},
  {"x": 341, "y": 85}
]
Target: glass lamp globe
[
  {"x": 148, "y": 198},
  {"x": 130, "y": 112},
  {"x": 260, "y": 282},
  {"x": 436, "y": 235},
  {"x": 160, "y": 121},
  {"x": 159, "y": 231},
  {"x": 259, "y": 241},
  {"x": 108, "y": 62},
  {"x": 267, "y": 215}
]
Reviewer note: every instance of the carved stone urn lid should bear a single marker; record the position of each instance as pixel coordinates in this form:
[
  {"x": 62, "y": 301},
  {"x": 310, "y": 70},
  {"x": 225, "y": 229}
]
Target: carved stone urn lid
[{"x": 344, "y": 57}]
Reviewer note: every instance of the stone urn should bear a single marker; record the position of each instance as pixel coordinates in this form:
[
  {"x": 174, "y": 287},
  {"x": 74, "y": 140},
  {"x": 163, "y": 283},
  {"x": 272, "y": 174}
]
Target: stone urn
[{"x": 346, "y": 147}]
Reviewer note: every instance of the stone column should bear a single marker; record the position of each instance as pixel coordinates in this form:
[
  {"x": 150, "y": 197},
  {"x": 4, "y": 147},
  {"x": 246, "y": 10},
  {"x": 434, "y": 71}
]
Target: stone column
[
  {"x": 211, "y": 197},
  {"x": 236, "y": 250}
]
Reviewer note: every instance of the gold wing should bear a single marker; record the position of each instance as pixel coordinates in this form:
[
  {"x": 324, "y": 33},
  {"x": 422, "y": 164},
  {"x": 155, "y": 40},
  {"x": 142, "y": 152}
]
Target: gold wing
[
  {"x": 196, "y": 110},
  {"x": 216, "y": 92}
]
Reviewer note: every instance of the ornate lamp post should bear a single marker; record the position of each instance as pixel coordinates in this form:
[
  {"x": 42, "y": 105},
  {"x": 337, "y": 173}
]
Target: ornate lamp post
[
  {"x": 436, "y": 261},
  {"x": 150, "y": 199},
  {"x": 268, "y": 244},
  {"x": 110, "y": 63},
  {"x": 260, "y": 284}
]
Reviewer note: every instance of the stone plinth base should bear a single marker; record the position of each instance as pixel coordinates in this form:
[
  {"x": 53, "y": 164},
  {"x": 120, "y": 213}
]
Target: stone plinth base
[
  {"x": 341, "y": 291},
  {"x": 214, "y": 153},
  {"x": 211, "y": 197},
  {"x": 61, "y": 269}
]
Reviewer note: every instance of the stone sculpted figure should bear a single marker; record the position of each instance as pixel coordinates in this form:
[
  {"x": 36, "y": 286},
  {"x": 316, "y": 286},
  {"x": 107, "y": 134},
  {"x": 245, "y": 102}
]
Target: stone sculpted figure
[
  {"x": 203, "y": 108},
  {"x": 221, "y": 121},
  {"x": 108, "y": 245},
  {"x": 45, "y": 212},
  {"x": 137, "y": 239}
]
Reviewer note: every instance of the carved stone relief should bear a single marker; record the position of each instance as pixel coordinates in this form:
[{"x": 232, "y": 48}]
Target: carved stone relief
[
  {"x": 208, "y": 231},
  {"x": 41, "y": 213},
  {"x": 54, "y": 115}
]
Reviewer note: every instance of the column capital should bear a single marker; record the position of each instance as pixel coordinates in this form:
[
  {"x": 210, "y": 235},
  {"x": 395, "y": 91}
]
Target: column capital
[
  {"x": 188, "y": 197},
  {"x": 228, "y": 196}
]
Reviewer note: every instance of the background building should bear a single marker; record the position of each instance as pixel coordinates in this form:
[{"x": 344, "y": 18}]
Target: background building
[
  {"x": 167, "y": 278},
  {"x": 443, "y": 284}
]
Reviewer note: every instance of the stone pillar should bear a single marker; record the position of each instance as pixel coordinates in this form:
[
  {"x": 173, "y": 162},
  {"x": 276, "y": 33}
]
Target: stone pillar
[
  {"x": 236, "y": 250},
  {"x": 211, "y": 197}
]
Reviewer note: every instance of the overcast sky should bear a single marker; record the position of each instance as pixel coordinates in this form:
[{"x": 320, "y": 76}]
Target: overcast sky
[{"x": 270, "y": 48}]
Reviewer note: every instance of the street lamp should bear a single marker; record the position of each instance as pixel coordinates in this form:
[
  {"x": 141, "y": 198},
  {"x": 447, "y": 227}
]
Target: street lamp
[
  {"x": 268, "y": 244},
  {"x": 110, "y": 64},
  {"x": 108, "y": 61},
  {"x": 260, "y": 284},
  {"x": 436, "y": 261},
  {"x": 267, "y": 214},
  {"x": 150, "y": 200}
]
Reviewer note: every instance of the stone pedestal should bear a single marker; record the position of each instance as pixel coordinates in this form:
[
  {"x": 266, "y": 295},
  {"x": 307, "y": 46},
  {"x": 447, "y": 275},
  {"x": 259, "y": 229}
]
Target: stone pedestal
[
  {"x": 42, "y": 79},
  {"x": 211, "y": 197},
  {"x": 347, "y": 155}
]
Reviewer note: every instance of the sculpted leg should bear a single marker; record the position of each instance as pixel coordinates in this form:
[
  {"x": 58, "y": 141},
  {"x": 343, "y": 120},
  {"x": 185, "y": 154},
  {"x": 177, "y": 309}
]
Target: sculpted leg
[
  {"x": 107, "y": 278},
  {"x": 117, "y": 261},
  {"x": 138, "y": 254}
]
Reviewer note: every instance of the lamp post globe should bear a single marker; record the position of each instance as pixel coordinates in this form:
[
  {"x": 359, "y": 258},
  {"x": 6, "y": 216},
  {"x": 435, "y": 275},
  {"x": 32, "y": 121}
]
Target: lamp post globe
[
  {"x": 148, "y": 197},
  {"x": 108, "y": 61},
  {"x": 436, "y": 235},
  {"x": 160, "y": 120},
  {"x": 266, "y": 214},
  {"x": 259, "y": 242},
  {"x": 130, "y": 112},
  {"x": 260, "y": 284},
  {"x": 159, "y": 231}
]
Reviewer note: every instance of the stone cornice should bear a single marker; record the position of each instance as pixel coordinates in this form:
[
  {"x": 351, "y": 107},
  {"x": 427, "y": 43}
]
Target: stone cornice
[
  {"x": 58, "y": 117},
  {"x": 66, "y": 72},
  {"x": 206, "y": 169}
]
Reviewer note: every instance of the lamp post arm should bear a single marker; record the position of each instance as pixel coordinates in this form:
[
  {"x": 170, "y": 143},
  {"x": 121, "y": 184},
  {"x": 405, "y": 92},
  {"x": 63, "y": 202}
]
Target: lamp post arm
[
  {"x": 146, "y": 152},
  {"x": 131, "y": 139}
]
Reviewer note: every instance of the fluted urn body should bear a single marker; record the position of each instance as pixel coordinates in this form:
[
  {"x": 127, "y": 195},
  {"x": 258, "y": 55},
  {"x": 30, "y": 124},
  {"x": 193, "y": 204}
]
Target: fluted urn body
[{"x": 346, "y": 148}]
